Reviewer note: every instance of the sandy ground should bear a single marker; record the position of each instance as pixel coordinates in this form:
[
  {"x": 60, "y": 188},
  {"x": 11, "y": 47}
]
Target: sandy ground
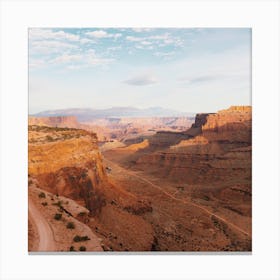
[
  {"x": 170, "y": 195},
  {"x": 181, "y": 221},
  {"x": 50, "y": 235},
  {"x": 44, "y": 230}
]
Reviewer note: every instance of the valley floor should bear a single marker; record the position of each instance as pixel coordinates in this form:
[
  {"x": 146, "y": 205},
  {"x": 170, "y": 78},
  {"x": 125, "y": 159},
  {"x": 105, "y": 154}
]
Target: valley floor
[{"x": 181, "y": 221}]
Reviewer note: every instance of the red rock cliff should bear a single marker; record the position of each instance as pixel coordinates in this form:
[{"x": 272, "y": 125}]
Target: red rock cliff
[{"x": 221, "y": 151}]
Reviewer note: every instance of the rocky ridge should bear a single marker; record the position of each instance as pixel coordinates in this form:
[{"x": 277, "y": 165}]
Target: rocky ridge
[
  {"x": 220, "y": 147},
  {"x": 66, "y": 162}
]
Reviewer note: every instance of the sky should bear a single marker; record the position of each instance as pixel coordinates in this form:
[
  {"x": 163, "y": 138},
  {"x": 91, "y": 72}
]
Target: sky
[{"x": 184, "y": 69}]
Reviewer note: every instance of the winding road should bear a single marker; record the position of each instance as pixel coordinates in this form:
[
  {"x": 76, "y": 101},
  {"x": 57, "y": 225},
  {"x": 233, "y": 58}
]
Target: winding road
[
  {"x": 187, "y": 202},
  {"x": 46, "y": 239}
]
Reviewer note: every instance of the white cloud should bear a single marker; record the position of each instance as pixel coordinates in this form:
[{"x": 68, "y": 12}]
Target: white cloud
[
  {"x": 161, "y": 40},
  {"x": 45, "y": 34},
  {"x": 144, "y": 47},
  {"x": 200, "y": 79},
  {"x": 142, "y": 80},
  {"x": 164, "y": 54},
  {"x": 164, "y": 36},
  {"x": 48, "y": 47},
  {"x": 114, "y": 48},
  {"x": 142, "y": 29},
  {"x": 70, "y": 60},
  {"x": 100, "y": 60},
  {"x": 86, "y": 40},
  {"x": 36, "y": 63},
  {"x": 66, "y": 58},
  {"x": 146, "y": 43},
  {"x": 91, "y": 59},
  {"x": 75, "y": 67},
  {"x": 99, "y": 34},
  {"x": 226, "y": 70},
  {"x": 134, "y": 39}
]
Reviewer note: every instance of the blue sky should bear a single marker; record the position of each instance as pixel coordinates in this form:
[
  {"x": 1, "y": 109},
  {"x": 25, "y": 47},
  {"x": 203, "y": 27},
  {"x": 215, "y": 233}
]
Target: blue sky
[{"x": 186, "y": 69}]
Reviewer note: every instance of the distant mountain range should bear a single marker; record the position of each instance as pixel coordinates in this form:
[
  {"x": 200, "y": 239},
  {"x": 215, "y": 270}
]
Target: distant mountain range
[{"x": 88, "y": 114}]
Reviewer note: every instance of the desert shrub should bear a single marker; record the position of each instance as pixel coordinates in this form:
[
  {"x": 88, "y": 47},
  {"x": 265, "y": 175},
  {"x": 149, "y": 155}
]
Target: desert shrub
[
  {"x": 79, "y": 238},
  {"x": 72, "y": 249},
  {"x": 59, "y": 203},
  {"x": 42, "y": 195},
  {"x": 70, "y": 225},
  {"x": 57, "y": 216},
  {"x": 83, "y": 248},
  {"x": 82, "y": 214},
  {"x": 85, "y": 238},
  {"x": 44, "y": 203}
]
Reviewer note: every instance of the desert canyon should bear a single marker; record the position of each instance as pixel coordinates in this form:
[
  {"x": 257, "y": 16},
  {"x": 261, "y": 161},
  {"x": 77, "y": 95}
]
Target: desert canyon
[{"x": 128, "y": 182}]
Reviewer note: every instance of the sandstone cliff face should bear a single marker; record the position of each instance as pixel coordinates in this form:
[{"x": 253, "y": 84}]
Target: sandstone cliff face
[
  {"x": 221, "y": 151},
  {"x": 67, "y": 162},
  {"x": 232, "y": 125}
]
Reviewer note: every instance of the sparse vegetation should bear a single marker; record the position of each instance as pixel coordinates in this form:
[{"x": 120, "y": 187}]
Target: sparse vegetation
[
  {"x": 58, "y": 216},
  {"x": 42, "y": 195},
  {"x": 83, "y": 248},
  {"x": 72, "y": 249},
  {"x": 79, "y": 238},
  {"x": 59, "y": 203},
  {"x": 205, "y": 197},
  {"x": 82, "y": 214},
  {"x": 70, "y": 225},
  {"x": 44, "y": 203}
]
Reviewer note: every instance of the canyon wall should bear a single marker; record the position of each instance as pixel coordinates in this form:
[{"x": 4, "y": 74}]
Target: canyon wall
[
  {"x": 66, "y": 162},
  {"x": 216, "y": 148}
]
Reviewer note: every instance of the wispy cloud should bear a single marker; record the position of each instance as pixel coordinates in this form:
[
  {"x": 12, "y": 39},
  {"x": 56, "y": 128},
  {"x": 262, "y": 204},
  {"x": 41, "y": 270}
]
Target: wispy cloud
[
  {"x": 51, "y": 46},
  {"x": 181, "y": 68},
  {"x": 46, "y": 34},
  {"x": 66, "y": 58},
  {"x": 134, "y": 39},
  {"x": 36, "y": 63},
  {"x": 99, "y": 34},
  {"x": 142, "y": 80},
  {"x": 200, "y": 79},
  {"x": 83, "y": 60},
  {"x": 161, "y": 40},
  {"x": 142, "y": 29},
  {"x": 164, "y": 54}
]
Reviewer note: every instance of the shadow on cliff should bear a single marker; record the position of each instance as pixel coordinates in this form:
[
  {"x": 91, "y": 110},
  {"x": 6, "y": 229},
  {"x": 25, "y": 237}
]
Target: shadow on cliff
[{"x": 216, "y": 142}]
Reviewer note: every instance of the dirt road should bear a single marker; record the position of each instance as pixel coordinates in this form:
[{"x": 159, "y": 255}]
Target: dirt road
[
  {"x": 187, "y": 202},
  {"x": 46, "y": 239}
]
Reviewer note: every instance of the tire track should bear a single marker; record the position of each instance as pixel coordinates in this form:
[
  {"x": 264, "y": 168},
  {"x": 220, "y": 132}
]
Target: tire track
[{"x": 211, "y": 214}]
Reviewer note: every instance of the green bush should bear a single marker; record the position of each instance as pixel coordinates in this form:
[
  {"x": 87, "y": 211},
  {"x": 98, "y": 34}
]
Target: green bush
[
  {"x": 70, "y": 225},
  {"x": 42, "y": 195},
  {"x": 57, "y": 216},
  {"x": 83, "y": 248}
]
